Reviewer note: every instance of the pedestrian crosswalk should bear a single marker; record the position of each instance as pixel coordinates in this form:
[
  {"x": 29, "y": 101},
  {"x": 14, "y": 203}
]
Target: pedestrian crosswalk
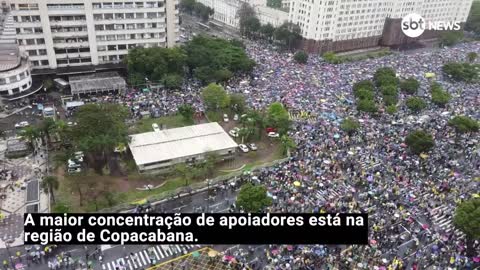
[
  {"x": 148, "y": 257},
  {"x": 442, "y": 217}
]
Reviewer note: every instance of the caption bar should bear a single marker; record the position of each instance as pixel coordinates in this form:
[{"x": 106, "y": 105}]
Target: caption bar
[{"x": 196, "y": 228}]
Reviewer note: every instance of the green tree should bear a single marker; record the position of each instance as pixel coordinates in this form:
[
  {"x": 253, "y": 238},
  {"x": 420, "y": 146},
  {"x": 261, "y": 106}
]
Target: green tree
[
  {"x": 367, "y": 105},
  {"x": 451, "y": 38},
  {"x": 274, "y": 3},
  {"x": 184, "y": 172},
  {"x": 100, "y": 128},
  {"x": 30, "y": 134},
  {"x": 419, "y": 141},
  {"x": 287, "y": 144},
  {"x": 461, "y": 71},
  {"x": 392, "y": 109},
  {"x": 410, "y": 86},
  {"x": 288, "y": 35},
  {"x": 277, "y": 117},
  {"x": 244, "y": 14},
  {"x": 252, "y": 26},
  {"x": 49, "y": 185},
  {"x": 238, "y": 103},
  {"x": 215, "y": 97},
  {"x": 172, "y": 81},
  {"x": 472, "y": 56},
  {"x": 440, "y": 97},
  {"x": 473, "y": 21},
  {"x": 467, "y": 219},
  {"x": 390, "y": 100},
  {"x": 364, "y": 94},
  {"x": 301, "y": 57},
  {"x": 223, "y": 75},
  {"x": 332, "y": 58},
  {"x": 267, "y": 31},
  {"x": 365, "y": 85},
  {"x": 187, "y": 6},
  {"x": 61, "y": 207},
  {"x": 416, "y": 104},
  {"x": 47, "y": 127},
  {"x": 464, "y": 124},
  {"x": 252, "y": 198},
  {"x": 186, "y": 111},
  {"x": 350, "y": 125}
]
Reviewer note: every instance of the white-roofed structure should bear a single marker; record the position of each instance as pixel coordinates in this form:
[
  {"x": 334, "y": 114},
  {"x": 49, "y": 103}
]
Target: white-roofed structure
[{"x": 162, "y": 149}]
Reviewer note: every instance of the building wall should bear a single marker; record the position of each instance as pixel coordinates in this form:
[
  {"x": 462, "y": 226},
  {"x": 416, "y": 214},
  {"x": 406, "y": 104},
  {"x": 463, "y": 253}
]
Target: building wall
[
  {"x": 198, "y": 158},
  {"x": 62, "y": 33},
  {"x": 345, "y": 20}
]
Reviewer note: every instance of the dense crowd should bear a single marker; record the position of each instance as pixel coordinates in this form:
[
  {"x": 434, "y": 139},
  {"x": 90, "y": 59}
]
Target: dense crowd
[{"x": 410, "y": 198}]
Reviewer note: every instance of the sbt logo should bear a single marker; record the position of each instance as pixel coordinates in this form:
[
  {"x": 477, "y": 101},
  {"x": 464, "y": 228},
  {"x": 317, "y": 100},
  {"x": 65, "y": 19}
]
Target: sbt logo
[{"x": 413, "y": 25}]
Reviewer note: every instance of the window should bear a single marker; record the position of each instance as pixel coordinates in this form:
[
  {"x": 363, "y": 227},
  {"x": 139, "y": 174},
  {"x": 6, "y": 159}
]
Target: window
[
  {"x": 40, "y": 41},
  {"x": 44, "y": 62},
  {"x": 29, "y": 41},
  {"x": 32, "y": 52}
]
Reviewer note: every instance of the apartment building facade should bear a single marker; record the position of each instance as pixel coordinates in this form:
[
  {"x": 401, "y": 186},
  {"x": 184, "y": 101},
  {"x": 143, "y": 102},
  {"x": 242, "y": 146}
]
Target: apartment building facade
[
  {"x": 351, "y": 24},
  {"x": 15, "y": 67},
  {"x": 69, "y": 33}
]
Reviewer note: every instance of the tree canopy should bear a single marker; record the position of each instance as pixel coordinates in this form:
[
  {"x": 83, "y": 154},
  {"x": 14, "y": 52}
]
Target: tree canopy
[
  {"x": 440, "y": 97},
  {"x": 473, "y": 21},
  {"x": 252, "y": 198},
  {"x": 154, "y": 63},
  {"x": 215, "y": 97},
  {"x": 467, "y": 219},
  {"x": 350, "y": 125},
  {"x": 461, "y": 71},
  {"x": 367, "y": 105},
  {"x": 464, "y": 124},
  {"x": 278, "y": 117},
  {"x": 206, "y": 56},
  {"x": 410, "y": 86},
  {"x": 416, "y": 104},
  {"x": 238, "y": 103},
  {"x": 186, "y": 111},
  {"x": 100, "y": 128},
  {"x": 419, "y": 141},
  {"x": 301, "y": 57}
]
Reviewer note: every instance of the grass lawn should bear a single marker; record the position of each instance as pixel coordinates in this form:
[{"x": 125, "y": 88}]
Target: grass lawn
[
  {"x": 122, "y": 190},
  {"x": 145, "y": 125}
]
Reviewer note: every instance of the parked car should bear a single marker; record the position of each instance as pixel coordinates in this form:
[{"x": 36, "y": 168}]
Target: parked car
[
  {"x": 74, "y": 170},
  {"x": 273, "y": 135},
  {"x": 234, "y": 132},
  {"x": 225, "y": 118},
  {"x": 243, "y": 147},
  {"x": 22, "y": 124},
  {"x": 155, "y": 127},
  {"x": 235, "y": 117},
  {"x": 270, "y": 129},
  {"x": 252, "y": 146}
]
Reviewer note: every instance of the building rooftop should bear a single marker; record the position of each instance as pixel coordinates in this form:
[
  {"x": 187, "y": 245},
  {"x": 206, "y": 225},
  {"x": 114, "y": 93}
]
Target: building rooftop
[
  {"x": 105, "y": 81},
  {"x": 173, "y": 143}
]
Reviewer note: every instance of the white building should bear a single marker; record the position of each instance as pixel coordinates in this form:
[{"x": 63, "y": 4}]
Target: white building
[
  {"x": 339, "y": 20},
  {"x": 160, "y": 150},
  {"x": 15, "y": 69},
  {"x": 225, "y": 11},
  {"x": 66, "y": 33}
]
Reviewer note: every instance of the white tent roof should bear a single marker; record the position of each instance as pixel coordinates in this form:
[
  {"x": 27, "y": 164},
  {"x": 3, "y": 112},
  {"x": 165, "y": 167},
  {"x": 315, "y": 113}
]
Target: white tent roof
[{"x": 173, "y": 143}]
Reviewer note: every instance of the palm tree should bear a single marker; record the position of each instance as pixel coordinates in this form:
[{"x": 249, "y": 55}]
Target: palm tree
[
  {"x": 287, "y": 144},
  {"x": 49, "y": 184},
  {"x": 48, "y": 125},
  {"x": 30, "y": 134}
]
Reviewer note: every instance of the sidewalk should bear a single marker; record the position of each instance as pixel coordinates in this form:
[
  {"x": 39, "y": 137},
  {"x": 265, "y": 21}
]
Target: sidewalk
[{"x": 4, "y": 115}]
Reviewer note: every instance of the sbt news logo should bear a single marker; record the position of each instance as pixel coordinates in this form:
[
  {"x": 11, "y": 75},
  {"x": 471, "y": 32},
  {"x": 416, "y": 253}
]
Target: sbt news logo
[{"x": 413, "y": 25}]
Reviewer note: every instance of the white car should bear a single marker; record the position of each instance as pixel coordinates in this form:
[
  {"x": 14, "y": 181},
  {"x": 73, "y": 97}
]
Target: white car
[
  {"x": 74, "y": 170},
  {"x": 243, "y": 147},
  {"x": 252, "y": 146},
  {"x": 235, "y": 117},
  {"x": 273, "y": 135},
  {"x": 233, "y": 133},
  {"x": 225, "y": 118},
  {"x": 155, "y": 127},
  {"x": 22, "y": 124}
]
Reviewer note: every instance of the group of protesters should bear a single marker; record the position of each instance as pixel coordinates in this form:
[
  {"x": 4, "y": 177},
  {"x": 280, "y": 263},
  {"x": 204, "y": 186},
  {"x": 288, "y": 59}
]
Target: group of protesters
[{"x": 371, "y": 171}]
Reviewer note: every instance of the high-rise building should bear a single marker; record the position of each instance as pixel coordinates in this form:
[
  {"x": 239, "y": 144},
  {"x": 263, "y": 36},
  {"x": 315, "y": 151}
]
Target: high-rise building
[
  {"x": 347, "y": 24},
  {"x": 69, "y": 33},
  {"x": 15, "y": 68}
]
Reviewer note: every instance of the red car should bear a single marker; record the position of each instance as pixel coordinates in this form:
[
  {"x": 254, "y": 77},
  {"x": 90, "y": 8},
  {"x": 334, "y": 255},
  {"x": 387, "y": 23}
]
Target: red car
[{"x": 270, "y": 129}]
